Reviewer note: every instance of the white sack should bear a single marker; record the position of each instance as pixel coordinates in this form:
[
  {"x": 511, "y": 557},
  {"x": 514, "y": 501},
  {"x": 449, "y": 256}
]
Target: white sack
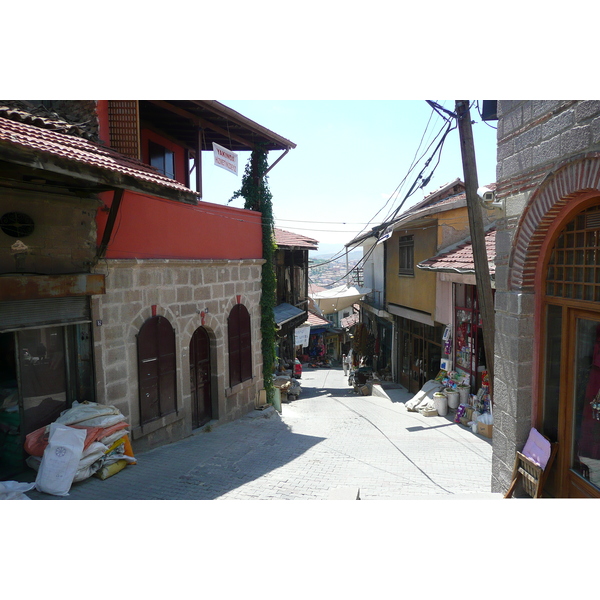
[
  {"x": 89, "y": 414},
  {"x": 60, "y": 460},
  {"x": 423, "y": 395},
  {"x": 14, "y": 490}
]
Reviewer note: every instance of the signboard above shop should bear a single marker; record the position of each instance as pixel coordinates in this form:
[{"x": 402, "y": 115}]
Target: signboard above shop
[{"x": 226, "y": 159}]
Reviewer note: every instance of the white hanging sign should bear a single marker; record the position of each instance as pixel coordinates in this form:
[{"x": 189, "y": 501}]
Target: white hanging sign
[
  {"x": 226, "y": 159},
  {"x": 302, "y": 335},
  {"x": 387, "y": 234}
]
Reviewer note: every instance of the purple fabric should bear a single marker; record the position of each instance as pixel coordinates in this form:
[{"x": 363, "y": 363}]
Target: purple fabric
[{"x": 537, "y": 448}]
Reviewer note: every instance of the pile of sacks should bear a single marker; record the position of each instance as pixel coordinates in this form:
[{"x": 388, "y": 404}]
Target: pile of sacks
[
  {"x": 87, "y": 439},
  {"x": 423, "y": 400},
  {"x": 289, "y": 386}
]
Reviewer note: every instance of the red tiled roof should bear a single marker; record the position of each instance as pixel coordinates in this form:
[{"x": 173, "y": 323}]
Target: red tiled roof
[
  {"x": 439, "y": 201},
  {"x": 288, "y": 239},
  {"x": 313, "y": 288},
  {"x": 349, "y": 321},
  {"x": 315, "y": 320},
  {"x": 460, "y": 259},
  {"x": 39, "y": 116},
  {"x": 81, "y": 151}
]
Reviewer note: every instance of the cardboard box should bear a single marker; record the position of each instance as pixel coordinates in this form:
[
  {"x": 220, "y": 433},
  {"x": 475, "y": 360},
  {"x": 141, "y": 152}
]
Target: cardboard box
[{"x": 485, "y": 430}]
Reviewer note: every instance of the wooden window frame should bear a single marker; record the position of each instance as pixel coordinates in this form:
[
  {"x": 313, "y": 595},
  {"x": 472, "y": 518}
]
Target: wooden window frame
[
  {"x": 157, "y": 157},
  {"x": 406, "y": 255}
]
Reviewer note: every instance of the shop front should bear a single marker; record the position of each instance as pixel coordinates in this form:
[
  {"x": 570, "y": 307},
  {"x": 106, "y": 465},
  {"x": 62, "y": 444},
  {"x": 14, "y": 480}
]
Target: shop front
[
  {"x": 419, "y": 352},
  {"x": 45, "y": 364},
  {"x": 469, "y": 351}
]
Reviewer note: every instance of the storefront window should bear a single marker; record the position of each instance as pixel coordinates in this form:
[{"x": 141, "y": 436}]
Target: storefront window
[
  {"x": 586, "y": 407},
  {"x": 42, "y": 371},
  {"x": 420, "y": 352},
  {"x": 43, "y": 375}
]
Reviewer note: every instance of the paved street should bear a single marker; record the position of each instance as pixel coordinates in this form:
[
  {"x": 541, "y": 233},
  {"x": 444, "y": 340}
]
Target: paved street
[{"x": 329, "y": 439}]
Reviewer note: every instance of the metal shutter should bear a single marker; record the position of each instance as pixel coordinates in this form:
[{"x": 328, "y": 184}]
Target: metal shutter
[{"x": 20, "y": 314}]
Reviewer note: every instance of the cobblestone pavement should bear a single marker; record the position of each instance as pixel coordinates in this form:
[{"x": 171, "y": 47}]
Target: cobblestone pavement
[{"x": 329, "y": 439}]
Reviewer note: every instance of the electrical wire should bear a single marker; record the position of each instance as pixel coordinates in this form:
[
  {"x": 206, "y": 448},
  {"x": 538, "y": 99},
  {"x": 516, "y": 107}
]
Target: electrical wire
[
  {"x": 394, "y": 194},
  {"x": 450, "y": 126}
]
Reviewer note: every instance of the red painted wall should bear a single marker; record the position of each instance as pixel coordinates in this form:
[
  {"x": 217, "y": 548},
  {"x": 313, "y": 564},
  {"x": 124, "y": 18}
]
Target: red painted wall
[{"x": 148, "y": 227}]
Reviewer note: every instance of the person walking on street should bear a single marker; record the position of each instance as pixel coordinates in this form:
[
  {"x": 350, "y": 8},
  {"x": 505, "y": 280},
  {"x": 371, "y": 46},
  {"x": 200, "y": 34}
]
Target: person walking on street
[{"x": 347, "y": 362}]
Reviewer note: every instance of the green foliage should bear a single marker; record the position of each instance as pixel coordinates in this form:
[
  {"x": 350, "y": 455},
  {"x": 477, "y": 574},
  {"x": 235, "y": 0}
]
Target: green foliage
[{"x": 257, "y": 196}]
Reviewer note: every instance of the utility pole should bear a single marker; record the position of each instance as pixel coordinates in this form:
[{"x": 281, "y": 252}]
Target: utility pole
[{"x": 482, "y": 270}]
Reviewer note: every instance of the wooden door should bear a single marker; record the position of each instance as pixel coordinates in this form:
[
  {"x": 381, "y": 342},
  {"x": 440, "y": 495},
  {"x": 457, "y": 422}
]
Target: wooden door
[
  {"x": 156, "y": 369},
  {"x": 200, "y": 378},
  {"x": 579, "y": 443}
]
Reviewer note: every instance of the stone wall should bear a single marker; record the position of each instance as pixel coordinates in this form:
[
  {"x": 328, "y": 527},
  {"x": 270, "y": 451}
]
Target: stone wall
[
  {"x": 181, "y": 291},
  {"x": 547, "y": 152},
  {"x": 63, "y": 238}
]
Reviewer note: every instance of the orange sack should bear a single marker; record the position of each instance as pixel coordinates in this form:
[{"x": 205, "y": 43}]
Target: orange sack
[{"x": 36, "y": 441}]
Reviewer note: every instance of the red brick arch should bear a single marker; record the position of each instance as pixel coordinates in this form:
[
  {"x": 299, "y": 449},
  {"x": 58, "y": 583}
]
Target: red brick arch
[{"x": 561, "y": 186}]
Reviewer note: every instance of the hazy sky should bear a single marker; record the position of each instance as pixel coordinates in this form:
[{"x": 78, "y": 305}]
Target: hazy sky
[{"x": 351, "y": 156}]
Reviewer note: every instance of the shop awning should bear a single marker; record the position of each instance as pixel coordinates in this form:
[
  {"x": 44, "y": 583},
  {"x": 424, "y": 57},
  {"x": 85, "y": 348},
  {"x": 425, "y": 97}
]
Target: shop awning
[
  {"x": 286, "y": 312},
  {"x": 338, "y": 298}
]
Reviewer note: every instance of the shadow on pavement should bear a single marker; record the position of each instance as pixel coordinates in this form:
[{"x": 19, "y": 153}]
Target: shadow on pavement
[{"x": 204, "y": 466}]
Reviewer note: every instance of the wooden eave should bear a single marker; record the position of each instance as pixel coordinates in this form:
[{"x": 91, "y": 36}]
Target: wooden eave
[{"x": 183, "y": 119}]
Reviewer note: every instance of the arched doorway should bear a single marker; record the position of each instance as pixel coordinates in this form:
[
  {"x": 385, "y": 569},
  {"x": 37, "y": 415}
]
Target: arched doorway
[
  {"x": 156, "y": 369},
  {"x": 200, "y": 374},
  {"x": 570, "y": 375}
]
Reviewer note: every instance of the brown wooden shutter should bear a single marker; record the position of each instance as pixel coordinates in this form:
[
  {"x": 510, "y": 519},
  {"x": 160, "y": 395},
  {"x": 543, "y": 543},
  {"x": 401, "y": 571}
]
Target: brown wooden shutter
[
  {"x": 156, "y": 369},
  {"x": 245, "y": 345},
  {"x": 124, "y": 125},
  {"x": 233, "y": 328},
  {"x": 240, "y": 345}
]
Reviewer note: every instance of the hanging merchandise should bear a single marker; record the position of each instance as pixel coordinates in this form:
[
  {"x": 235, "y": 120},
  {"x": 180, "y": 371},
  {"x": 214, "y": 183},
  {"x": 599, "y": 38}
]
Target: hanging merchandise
[{"x": 448, "y": 346}]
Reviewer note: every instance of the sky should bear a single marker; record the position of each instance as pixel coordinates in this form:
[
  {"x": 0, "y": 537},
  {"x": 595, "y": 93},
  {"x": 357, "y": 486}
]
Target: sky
[{"x": 352, "y": 162}]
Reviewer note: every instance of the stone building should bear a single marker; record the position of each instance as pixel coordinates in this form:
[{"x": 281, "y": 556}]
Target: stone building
[
  {"x": 118, "y": 283},
  {"x": 547, "y": 345}
]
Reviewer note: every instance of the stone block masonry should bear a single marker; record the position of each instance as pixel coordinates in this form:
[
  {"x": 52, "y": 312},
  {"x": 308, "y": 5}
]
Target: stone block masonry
[
  {"x": 190, "y": 294},
  {"x": 547, "y": 154}
]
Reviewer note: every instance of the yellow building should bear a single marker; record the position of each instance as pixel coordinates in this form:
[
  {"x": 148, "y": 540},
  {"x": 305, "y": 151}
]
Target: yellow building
[{"x": 422, "y": 300}]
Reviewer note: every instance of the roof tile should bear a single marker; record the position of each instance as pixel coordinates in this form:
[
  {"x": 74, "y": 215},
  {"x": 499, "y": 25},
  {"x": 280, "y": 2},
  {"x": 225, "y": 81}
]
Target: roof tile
[
  {"x": 81, "y": 151},
  {"x": 460, "y": 259},
  {"x": 287, "y": 238}
]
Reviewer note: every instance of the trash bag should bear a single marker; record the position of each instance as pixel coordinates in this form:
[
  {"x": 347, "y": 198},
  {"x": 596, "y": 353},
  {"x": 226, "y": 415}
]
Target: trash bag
[{"x": 60, "y": 460}]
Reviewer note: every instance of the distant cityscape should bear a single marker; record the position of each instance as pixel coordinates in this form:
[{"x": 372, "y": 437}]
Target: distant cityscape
[{"x": 324, "y": 272}]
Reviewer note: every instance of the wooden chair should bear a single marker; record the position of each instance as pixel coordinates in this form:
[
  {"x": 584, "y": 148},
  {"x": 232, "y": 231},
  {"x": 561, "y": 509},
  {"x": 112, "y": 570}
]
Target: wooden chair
[{"x": 532, "y": 475}]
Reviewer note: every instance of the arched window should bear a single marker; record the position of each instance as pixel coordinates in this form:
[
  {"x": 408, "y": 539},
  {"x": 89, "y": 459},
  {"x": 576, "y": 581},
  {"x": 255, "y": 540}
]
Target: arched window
[
  {"x": 240, "y": 345},
  {"x": 156, "y": 369}
]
